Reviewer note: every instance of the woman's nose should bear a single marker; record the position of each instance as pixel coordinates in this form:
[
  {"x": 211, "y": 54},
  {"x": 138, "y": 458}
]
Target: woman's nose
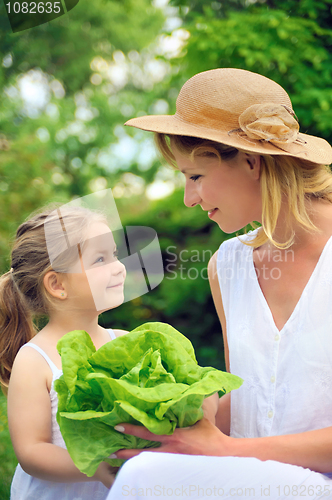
[{"x": 191, "y": 197}]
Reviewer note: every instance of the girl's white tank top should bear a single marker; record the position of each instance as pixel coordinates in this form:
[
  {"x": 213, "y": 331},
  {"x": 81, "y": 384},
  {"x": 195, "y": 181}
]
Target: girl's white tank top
[
  {"x": 26, "y": 487},
  {"x": 56, "y": 433}
]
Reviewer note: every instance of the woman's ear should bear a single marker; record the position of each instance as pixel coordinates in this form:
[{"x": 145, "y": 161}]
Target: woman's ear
[
  {"x": 254, "y": 162},
  {"x": 54, "y": 285}
]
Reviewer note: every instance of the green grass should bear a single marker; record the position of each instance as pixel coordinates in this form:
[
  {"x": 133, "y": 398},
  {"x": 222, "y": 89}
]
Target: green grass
[{"x": 8, "y": 460}]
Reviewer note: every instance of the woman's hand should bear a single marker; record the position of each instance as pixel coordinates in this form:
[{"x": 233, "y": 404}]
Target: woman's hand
[
  {"x": 203, "y": 438},
  {"x": 210, "y": 407},
  {"x": 105, "y": 474}
]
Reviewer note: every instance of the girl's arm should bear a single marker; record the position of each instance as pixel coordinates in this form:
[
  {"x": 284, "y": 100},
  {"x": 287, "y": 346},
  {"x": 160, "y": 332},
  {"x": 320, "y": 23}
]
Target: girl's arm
[{"x": 29, "y": 418}]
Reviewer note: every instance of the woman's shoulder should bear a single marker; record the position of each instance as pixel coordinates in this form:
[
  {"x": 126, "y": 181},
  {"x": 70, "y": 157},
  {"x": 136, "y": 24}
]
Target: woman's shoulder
[{"x": 238, "y": 242}]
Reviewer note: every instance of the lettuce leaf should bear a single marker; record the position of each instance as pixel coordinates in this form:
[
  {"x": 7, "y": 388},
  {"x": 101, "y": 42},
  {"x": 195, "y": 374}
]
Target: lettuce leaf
[{"x": 148, "y": 377}]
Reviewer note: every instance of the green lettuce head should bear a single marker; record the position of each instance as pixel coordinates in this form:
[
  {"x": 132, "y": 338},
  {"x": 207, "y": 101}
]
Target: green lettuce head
[{"x": 148, "y": 377}]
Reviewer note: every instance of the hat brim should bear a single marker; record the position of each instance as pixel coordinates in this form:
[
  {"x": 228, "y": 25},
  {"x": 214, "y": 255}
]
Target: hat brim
[{"x": 312, "y": 148}]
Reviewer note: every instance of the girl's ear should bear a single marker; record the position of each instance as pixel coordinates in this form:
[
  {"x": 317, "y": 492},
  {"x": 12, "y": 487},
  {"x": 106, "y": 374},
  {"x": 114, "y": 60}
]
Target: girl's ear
[{"x": 54, "y": 285}]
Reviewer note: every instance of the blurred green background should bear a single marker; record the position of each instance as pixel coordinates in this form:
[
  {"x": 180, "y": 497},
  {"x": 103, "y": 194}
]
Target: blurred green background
[{"x": 68, "y": 86}]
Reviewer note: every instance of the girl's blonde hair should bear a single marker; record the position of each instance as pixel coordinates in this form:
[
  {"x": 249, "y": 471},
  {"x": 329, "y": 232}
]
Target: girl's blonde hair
[
  {"x": 282, "y": 176},
  {"x": 22, "y": 293}
]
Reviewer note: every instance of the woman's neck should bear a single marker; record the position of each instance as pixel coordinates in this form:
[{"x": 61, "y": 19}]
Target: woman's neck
[{"x": 320, "y": 213}]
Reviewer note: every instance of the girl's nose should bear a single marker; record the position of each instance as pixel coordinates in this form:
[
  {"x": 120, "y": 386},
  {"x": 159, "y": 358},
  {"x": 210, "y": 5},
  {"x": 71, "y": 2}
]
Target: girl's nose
[
  {"x": 191, "y": 197},
  {"x": 117, "y": 267}
]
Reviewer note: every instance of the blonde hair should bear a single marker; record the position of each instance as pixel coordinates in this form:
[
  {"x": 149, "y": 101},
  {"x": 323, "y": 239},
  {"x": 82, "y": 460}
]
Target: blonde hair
[
  {"x": 282, "y": 176},
  {"x": 22, "y": 293}
]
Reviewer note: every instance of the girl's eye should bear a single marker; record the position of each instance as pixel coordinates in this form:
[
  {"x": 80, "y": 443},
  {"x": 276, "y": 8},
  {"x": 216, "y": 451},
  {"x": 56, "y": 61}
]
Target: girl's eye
[
  {"x": 100, "y": 259},
  {"x": 195, "y": 177}
]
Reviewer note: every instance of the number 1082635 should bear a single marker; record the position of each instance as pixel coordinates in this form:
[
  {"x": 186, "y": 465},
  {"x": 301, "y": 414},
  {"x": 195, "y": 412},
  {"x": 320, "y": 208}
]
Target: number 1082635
[{"x": 33, "y": 7}]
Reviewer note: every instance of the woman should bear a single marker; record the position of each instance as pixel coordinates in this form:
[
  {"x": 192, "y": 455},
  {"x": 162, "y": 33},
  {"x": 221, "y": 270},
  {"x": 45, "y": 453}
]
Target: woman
[{"x": 236, "y": 139}]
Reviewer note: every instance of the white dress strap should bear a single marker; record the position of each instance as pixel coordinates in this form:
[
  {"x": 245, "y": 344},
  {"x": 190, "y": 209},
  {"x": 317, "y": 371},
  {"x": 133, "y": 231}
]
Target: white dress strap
[
  {"x": 112, "y": 334},
  {"x": 53, "y": 367}
]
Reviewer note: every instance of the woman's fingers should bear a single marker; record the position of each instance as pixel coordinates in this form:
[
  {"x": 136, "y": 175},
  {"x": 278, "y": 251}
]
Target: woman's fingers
[
  {"x": 178, "y": 442},
  {"x": 203, "y": 438},
  {"x": 139, "y": 431},
  {"x": 126, "y": 454},
  {"x": 142, "y": 432}
]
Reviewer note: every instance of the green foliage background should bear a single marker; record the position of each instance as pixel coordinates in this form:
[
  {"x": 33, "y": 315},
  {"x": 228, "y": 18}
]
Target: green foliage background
[{"x": 66, "y": 148}]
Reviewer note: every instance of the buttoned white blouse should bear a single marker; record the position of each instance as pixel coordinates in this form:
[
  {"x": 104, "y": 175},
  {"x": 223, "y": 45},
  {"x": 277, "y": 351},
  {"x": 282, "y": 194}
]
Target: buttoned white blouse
[{"x": 287, "y": 374}]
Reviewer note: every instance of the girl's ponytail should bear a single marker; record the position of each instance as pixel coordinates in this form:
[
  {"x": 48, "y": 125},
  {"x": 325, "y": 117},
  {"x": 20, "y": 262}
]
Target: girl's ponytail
[
  {"x": 21, "y": 293},
  {"x": 16, "y": 325}
]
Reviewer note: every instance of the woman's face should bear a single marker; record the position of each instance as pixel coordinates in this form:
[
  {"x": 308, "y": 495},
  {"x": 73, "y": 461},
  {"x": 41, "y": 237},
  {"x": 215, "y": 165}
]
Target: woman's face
[{"x": 229, "y": 191}]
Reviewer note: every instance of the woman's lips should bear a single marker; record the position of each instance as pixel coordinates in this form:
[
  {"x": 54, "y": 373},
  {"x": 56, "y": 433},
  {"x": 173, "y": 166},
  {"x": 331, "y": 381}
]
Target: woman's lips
[{"x": 212, "y": 212}]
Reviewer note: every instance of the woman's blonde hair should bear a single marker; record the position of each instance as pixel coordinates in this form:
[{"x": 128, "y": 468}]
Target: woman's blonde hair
[
  {"x": 282, "y": 176},
  {"x": 23, "y": 296}
]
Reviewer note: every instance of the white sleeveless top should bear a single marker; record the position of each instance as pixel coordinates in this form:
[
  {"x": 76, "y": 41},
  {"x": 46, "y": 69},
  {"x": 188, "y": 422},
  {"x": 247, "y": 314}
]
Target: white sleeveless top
[
  {"x": 287, "y": 374},
  {"x": 26, "y": 487}
]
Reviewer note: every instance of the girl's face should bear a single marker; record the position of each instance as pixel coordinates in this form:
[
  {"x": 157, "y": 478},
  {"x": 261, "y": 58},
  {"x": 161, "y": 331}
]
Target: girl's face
[
  {"x": 99, "y": 282},
  {"x": 229, "y": 191}
]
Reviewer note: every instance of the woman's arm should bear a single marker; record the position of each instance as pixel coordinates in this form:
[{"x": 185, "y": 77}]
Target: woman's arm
[
  {"x": 310, "y": 449},
  {"x": 29, "y": 418},
  {"x": 222, "y": 420},
  {"x": 217, "y": 299}
]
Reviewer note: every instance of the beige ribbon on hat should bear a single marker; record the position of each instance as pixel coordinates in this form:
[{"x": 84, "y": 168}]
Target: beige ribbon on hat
[{"x": 269, "y": 122}]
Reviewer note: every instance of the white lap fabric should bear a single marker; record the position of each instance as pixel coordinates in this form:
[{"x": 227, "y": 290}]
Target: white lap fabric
[{"x": 154, "y": 476}]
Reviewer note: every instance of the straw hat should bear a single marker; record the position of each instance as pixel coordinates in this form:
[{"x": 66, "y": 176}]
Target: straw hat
[{"x": 241, "y": 109}]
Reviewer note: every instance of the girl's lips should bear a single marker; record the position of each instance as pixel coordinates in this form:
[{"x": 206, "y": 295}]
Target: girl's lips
[
  {"x": 212, "y": 212},
  {"x": 117, "y": 286}
]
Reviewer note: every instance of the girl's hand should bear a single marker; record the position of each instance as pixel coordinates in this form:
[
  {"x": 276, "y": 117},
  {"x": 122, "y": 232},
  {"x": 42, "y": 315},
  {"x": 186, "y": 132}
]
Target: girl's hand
[
  {"x": 105, "y": 474},
  {"x": 203, "y": 438}
]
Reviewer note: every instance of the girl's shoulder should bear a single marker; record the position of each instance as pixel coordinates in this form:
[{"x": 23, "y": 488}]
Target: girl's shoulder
[{"x": 30, "y": 370}]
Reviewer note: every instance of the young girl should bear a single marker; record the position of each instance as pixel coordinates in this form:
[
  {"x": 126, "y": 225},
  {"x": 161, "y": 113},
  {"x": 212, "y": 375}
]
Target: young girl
[
  {"x": 78, "y": 283},
  {"x": 236, "y": 140}
]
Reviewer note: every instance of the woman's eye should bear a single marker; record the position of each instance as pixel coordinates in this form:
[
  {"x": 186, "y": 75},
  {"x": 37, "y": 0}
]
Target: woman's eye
[{"x": 195, "y": 177}]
